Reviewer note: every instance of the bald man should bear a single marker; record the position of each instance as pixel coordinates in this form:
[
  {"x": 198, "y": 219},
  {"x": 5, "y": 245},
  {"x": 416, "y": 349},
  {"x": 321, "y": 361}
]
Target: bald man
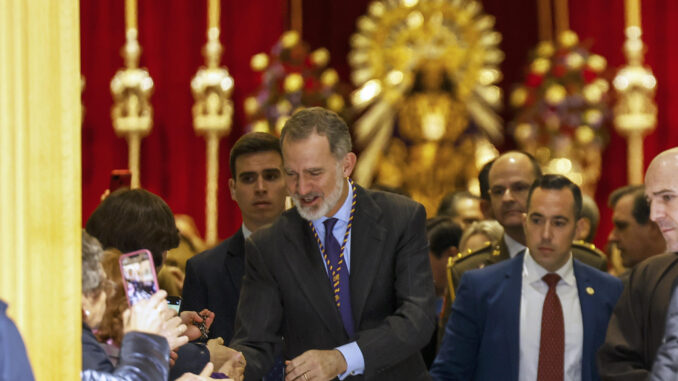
[{"x": 637, "y": 324}]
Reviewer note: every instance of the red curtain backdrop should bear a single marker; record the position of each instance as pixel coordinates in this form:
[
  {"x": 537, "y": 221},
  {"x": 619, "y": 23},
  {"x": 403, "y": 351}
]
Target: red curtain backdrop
[{"x": 172, "y": 33}]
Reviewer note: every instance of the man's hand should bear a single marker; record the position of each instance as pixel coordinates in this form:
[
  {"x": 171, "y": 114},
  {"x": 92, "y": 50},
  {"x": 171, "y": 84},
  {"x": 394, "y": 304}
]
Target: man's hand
[
  {"x": 191, "y": 317},
  {"x": 234, "y": 367},
  {"x": 316, "y": 365},
  {"x": 173, "y": 358}
]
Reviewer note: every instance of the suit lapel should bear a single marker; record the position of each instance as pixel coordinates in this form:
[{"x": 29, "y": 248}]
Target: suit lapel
[
  {"x": 234, "y": 260},
  {"x": 588, "y": 311},
  {"x": 367, "y": 237},
  {"x": 510, "y": 302},
  {"x": 304, "y": 259}
]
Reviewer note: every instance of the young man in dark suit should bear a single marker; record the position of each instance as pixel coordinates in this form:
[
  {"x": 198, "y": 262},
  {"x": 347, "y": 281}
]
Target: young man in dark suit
[
  {"x": 213, "y": 277},
  {"x": 344, "y": 277},
  {"x": 539, "y": 316}
]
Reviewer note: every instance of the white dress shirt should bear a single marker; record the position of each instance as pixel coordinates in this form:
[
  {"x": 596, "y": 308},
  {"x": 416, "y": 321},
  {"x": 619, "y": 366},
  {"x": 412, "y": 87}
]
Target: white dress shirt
[
  {"x": 532, "y": 297},
  {"x": 514, "y": 247},
  {"x": 246, "y": 233}
]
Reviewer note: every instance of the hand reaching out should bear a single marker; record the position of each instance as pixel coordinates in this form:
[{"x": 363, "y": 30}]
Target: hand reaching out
[{"x": 191, "y": 318}]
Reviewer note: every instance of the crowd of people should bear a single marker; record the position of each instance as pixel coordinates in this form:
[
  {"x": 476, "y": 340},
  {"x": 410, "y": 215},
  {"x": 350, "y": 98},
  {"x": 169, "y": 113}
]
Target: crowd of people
[{"x": 355, "y": 283}]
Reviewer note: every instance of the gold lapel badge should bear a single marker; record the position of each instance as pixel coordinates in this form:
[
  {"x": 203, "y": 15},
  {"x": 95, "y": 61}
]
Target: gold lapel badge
[{"x": 590, "y": 290}]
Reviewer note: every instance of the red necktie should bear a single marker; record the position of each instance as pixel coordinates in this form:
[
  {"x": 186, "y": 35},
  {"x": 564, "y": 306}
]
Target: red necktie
[{"x": 552, "y": 341}]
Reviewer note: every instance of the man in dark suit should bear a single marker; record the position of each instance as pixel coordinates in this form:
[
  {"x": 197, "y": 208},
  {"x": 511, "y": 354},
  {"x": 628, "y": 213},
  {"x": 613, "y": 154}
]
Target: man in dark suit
[
  {"x": 370, "y": 321},
  {"x": 541, "y": 315},
  {"x": 213, "y": 277},
  {"x": 637, "y": 324}
]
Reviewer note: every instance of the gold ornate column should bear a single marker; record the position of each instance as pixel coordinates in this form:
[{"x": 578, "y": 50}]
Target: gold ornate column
[
  {"x": 212, "y": 112},
  {"x": 40, "y": 187},
  {"x": 131, "y": 87},
  {"x": 544, "y": 15},
  {"x": 635, "y": 114}
]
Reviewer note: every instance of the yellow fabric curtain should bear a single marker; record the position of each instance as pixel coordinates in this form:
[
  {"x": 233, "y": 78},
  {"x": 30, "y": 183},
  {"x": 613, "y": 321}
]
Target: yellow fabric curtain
[{"x": 40, "y": 172}]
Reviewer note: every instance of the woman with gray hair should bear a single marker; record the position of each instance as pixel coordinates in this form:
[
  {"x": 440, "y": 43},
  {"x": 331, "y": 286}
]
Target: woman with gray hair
[
  {"x": 151, "y": 328},
  {"x": 480, "y": 234}
]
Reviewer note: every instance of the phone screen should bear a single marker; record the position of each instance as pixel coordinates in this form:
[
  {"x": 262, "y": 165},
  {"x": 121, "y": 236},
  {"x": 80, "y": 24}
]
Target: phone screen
[
  {"x": 174, "y": 302},
  {"x": 138, "y": 275},
  {"x": 120, "y": 178}
]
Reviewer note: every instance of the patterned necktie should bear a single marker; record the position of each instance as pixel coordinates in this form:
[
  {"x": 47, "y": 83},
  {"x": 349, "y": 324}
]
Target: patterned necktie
[
  {"x": 338, "y": 276},
  {"x": 552, "y": 341}
]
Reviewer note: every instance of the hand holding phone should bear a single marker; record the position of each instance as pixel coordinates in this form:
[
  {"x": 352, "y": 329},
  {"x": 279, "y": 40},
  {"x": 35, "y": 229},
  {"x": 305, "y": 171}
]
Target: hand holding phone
[
  {"x": 138, "y": 275},
  {"x": 120, "y": 178}
]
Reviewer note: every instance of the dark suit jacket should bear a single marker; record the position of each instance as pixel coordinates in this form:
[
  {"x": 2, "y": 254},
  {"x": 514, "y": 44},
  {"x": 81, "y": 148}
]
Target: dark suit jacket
[
  {"x": 637, "y": 324},
  {"x": 213, "y": 280},
  {"x": 286, "y": 291},
  {"x": 482, "y": 336}
]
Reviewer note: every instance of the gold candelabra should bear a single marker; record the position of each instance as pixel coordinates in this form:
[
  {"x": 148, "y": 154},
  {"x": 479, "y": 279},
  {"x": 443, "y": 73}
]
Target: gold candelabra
[
  {"x": 132, "y": 87},
  {"x": 212, "y": 112},
  {"x": 635, "y": 114}
]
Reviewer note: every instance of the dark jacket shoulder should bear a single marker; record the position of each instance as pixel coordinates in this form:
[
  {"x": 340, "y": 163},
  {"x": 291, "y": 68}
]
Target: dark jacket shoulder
[
  {"x": 232, "y": 244},
  {"x": 655, "y": 263},
  {"x": 612, "y": 283},
  {"x": 589, "y": 254},
  {"x": 473, "y": 258},
  {"x": 93, "y": 355}
]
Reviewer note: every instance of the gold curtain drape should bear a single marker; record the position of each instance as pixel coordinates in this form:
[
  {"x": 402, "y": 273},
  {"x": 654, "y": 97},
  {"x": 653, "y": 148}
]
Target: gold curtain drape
[{"x": 40, "y": 176}]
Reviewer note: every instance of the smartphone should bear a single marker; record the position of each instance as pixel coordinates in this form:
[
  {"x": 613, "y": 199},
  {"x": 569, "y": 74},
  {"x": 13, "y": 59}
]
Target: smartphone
[
  {"x": 138, "y": 275},
  {"x": 174, "y": 302},
  {"x": 120, "y": 178}
]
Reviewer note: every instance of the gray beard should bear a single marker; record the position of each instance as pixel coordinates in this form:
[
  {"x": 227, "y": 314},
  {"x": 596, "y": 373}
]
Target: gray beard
[{"x": 327, "y": 203}]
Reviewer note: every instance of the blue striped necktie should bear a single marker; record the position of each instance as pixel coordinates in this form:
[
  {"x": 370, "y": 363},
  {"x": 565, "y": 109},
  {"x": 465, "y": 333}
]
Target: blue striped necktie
[{"x": 338, "y": 273}]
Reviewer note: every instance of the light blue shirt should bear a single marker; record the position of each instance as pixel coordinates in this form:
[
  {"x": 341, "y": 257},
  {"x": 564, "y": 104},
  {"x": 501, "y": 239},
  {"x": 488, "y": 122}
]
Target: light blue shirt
[
  {"x": 246, "y": 233},
  {"x": 355, "y": 362}
]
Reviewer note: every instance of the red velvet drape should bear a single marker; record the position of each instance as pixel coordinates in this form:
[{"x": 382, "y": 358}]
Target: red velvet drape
[{"x": 172, "y": 33}]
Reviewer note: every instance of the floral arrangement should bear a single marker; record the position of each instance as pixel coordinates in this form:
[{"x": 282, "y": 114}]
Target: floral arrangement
[
  {"x": 564, "y": 99},
  {"x": 293, "y": 77}
]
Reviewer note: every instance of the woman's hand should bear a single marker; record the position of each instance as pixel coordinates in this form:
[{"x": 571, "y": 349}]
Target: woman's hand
[{"x": 155, "y": 317}]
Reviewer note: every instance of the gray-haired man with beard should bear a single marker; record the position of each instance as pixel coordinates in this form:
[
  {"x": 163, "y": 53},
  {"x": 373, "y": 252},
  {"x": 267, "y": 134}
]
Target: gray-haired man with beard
[{"x": 343, "y": 278}]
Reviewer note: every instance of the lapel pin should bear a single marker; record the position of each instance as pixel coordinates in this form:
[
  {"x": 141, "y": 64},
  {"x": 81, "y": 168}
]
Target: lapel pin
[{"x": 590, "y": 290}]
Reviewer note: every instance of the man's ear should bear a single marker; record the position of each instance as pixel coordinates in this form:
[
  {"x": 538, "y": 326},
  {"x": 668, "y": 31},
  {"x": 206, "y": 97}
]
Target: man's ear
[
  {"x": 583, "y": 229},
  {"x": 525, "y": 223},
  {"x": 231, "y": 188},
  {"x": 581, "y": 226},
  {"x": 349, "y": 163},
  {"x": 452, "y": 252}
]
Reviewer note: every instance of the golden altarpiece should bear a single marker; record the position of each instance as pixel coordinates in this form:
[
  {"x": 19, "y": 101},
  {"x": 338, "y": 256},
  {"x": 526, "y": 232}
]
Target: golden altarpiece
[{"x": 426, "y": 74}]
